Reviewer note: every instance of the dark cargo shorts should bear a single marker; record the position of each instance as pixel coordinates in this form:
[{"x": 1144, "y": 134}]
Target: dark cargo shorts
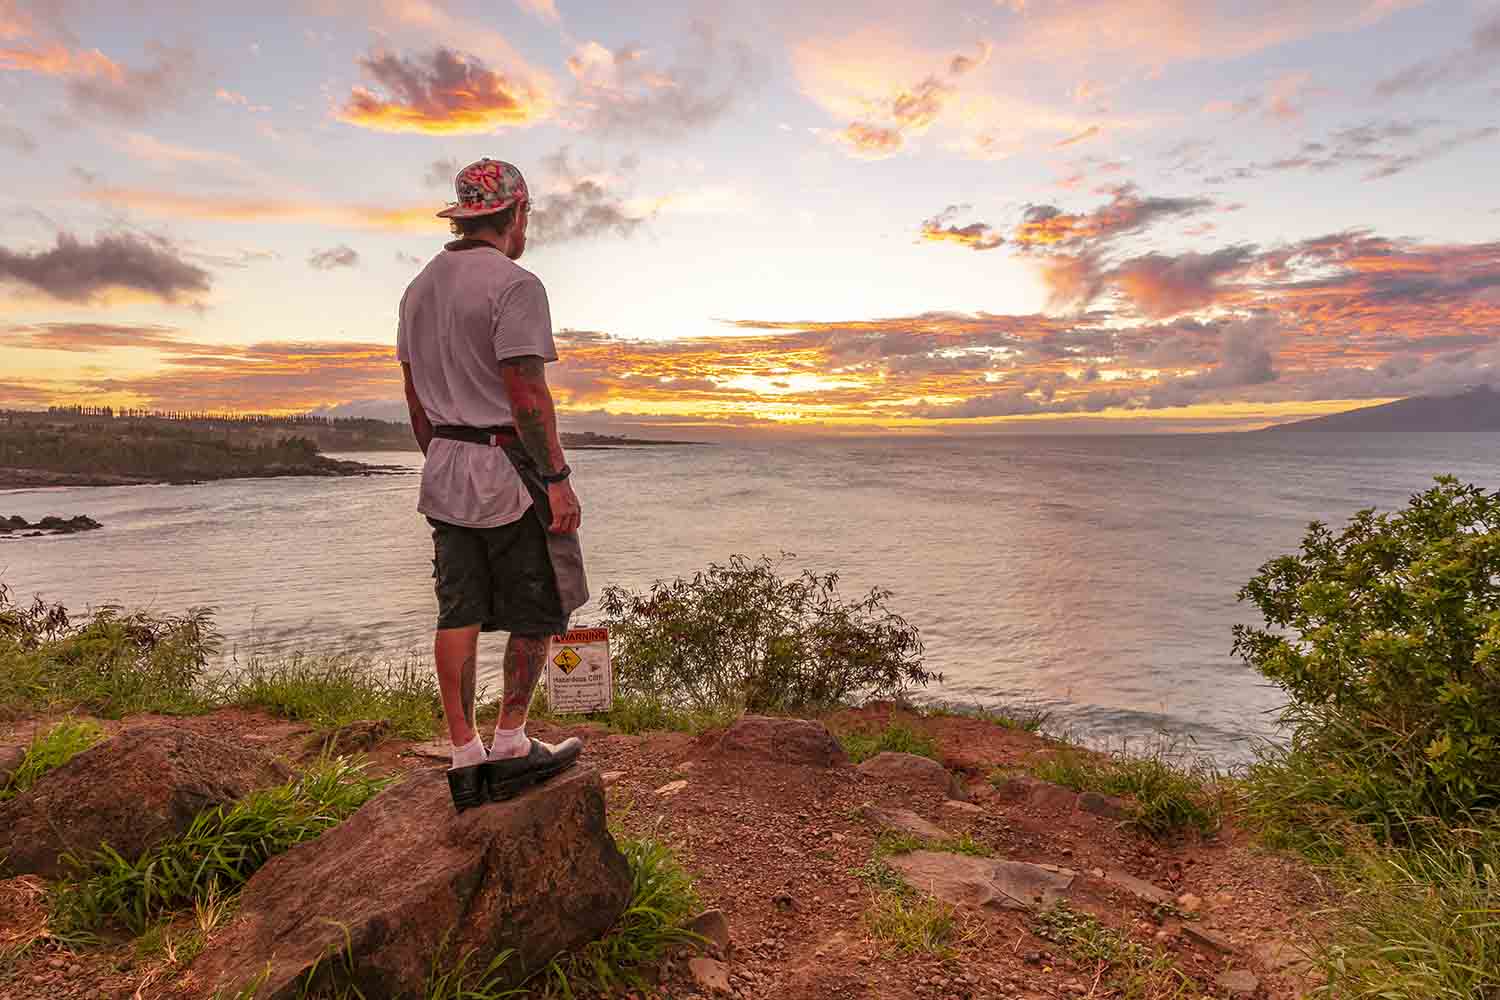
[{"x": 500, "y": 579}]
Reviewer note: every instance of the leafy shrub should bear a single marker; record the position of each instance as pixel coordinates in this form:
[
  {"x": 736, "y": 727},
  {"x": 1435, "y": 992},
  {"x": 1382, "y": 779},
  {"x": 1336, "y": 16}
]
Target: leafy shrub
[
  {"x": 1386, "y": 638},
  {"x": 741, "y": 635},
  {"x": 54, "y": 748}
]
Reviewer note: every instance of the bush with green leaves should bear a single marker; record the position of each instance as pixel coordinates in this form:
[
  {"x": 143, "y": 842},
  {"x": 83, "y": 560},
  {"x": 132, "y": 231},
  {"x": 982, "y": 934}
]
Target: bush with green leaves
[
  {"x": 1386, "y": 638},
  {"x": 742, "y": 635}
]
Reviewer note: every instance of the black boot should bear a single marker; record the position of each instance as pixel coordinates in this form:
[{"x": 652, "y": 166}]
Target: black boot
[
  {"x": 508, "y": 776},
  {"x": 466, "y": 785}
]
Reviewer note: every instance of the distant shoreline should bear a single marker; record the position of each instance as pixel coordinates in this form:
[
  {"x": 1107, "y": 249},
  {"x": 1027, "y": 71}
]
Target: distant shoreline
[
  {"x": 78, "y": 446},
  {"x": 28, "y": 479}
]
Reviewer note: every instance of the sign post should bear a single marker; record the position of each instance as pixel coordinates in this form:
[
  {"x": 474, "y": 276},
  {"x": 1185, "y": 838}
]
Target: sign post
[{"x": 579, "y": 677}]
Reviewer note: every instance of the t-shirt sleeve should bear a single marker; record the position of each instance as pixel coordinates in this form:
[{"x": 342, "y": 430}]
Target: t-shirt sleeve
[
  {"x": 403, "y": 352},
  {"x": 523, "y": 322}
]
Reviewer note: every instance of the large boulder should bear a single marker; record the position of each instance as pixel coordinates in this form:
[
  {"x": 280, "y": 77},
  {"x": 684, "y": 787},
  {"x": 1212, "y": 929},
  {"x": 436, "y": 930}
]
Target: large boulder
[
  {"x": 964, "y": 880},
  {"x": 132, "y": 792},
  {"x": 913, "y": 772},
  {"x": 406, "y": 885},
  {"x": 786, "y": 741}
]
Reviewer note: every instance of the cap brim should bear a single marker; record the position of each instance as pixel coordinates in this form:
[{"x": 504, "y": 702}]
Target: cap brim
[{"x": 459, "y": 212}]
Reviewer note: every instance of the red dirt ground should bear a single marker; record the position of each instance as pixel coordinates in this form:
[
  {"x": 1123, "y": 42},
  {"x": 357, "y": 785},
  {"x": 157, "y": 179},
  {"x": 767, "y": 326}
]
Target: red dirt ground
[{"x": 776, "y": 847}]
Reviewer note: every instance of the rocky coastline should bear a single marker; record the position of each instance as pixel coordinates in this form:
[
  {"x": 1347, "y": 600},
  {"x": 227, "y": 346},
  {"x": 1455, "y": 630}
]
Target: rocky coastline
[{"x": 16, "y": 526}]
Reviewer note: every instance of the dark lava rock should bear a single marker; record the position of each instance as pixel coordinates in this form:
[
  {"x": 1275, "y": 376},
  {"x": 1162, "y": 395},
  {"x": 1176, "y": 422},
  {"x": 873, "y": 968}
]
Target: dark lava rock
[
  {"x": 49, "y": 525},
  {"x": 131, "y": 792},
  {"x": 406, "y": 886}
]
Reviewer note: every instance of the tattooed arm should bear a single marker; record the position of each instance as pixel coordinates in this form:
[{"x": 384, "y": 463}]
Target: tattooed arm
[
  {"x": 420, "y": 425},
  {"x": 536, "y": 423}
]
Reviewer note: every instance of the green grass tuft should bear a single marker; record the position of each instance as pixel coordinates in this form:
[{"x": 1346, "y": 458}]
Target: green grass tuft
[
  {"x": 217, "y": 854},
  {"x": 54, "y": 748},
  {"x": 1134, "y": 971},
  {"x": 1418, "y": 923},
  {"x": 335, "y": 689},
  {"x": 862, "y": 744},
  {"x": 466, "y": 979},
  {"x": 1025, "y": 716},
  {"x": 662, "y": 899},
  {"x": 110, "y": 664},
  {"x": 891, "y": 842},
  {"x": 910, "y": 924},
  {"x": 634, "y": 714},
  {"x": 1167, "y": 797}
]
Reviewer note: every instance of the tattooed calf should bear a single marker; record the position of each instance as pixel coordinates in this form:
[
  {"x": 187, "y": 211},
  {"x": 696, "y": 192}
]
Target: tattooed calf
[{"x": 525, "y": 658}]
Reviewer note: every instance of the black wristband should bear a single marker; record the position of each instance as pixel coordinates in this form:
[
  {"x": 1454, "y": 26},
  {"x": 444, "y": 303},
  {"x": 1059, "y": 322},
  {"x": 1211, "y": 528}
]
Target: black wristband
[{"x": 557, "y": 476}]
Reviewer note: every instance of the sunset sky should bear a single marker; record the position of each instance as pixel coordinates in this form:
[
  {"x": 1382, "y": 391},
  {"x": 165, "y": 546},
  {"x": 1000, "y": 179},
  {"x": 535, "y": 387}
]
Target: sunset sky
[{"x": 1028, "y": 214}]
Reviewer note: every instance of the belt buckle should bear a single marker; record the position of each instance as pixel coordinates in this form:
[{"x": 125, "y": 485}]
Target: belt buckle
[{"x": 494, "y": 439}]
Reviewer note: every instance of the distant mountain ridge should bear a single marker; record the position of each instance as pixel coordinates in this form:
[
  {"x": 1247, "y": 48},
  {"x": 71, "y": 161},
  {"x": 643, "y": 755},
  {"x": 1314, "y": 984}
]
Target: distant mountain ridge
[{"x": 1477, "y": 409}]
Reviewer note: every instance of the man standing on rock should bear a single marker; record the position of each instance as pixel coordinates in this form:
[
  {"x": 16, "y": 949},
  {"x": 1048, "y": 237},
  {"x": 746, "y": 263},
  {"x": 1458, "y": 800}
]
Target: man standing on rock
[{"x": 475, "y": 334}]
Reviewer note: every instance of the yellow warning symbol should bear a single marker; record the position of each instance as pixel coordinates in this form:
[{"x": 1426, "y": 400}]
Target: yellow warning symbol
[{"x": 567, "y": 659}]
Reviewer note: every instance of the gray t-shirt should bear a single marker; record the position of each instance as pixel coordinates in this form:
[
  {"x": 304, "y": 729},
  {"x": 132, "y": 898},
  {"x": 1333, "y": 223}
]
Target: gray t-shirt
[{"x": 468, "y": 310}]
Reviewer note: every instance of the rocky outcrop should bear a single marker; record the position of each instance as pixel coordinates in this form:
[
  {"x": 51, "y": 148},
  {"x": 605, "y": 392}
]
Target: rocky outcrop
[
  {"x": 1046, "y": 797},
  {"x": 786, "y": 741},
  {"x": 131, "y": 792},
  {"x": 982, "y": 882},
  {"x": 406, "y": 884},
  {"x": 1043, "y": 796},
  {"x": 913, "y": 772},
  {"x": 49, "y": 525}
]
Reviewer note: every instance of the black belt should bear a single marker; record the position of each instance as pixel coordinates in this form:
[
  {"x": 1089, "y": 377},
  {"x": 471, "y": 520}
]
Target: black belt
[{"x": 494, "y": 437}]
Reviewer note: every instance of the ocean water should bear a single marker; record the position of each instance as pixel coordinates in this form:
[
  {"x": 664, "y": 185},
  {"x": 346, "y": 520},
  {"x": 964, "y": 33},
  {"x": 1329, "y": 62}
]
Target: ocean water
[{"x": 1094, "y": 575}]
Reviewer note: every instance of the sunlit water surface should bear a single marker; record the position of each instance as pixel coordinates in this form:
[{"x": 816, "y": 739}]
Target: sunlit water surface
[{"x": 1095, "y": 575}]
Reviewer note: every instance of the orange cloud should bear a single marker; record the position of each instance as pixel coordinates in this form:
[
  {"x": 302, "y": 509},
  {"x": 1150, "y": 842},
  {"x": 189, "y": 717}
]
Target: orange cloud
[
  {"x": 852, "y": 77},
  {"x": 1045, "y": 226},
  {"x": 1236, "y": 330},
  {"x": 96, "y": 83},
  {"x": 166, "y": 204},
  {"x": 871, "y": 142},
  {"x": 444, "y": 93},
  {"x": 975, "y": 235}
]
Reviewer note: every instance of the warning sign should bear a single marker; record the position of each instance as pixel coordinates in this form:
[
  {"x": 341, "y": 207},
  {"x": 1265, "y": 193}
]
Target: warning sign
[{"x": 579, "y": 678}]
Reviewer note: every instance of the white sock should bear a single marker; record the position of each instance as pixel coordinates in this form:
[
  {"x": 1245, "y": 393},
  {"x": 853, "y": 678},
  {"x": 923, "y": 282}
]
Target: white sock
[
  {"x": 468, "y": 756},
  {"x": 510, "y": 743}
]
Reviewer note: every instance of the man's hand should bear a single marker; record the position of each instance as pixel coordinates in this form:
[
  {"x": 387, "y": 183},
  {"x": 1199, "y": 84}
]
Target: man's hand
[{"x": 566, "y": 514}]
